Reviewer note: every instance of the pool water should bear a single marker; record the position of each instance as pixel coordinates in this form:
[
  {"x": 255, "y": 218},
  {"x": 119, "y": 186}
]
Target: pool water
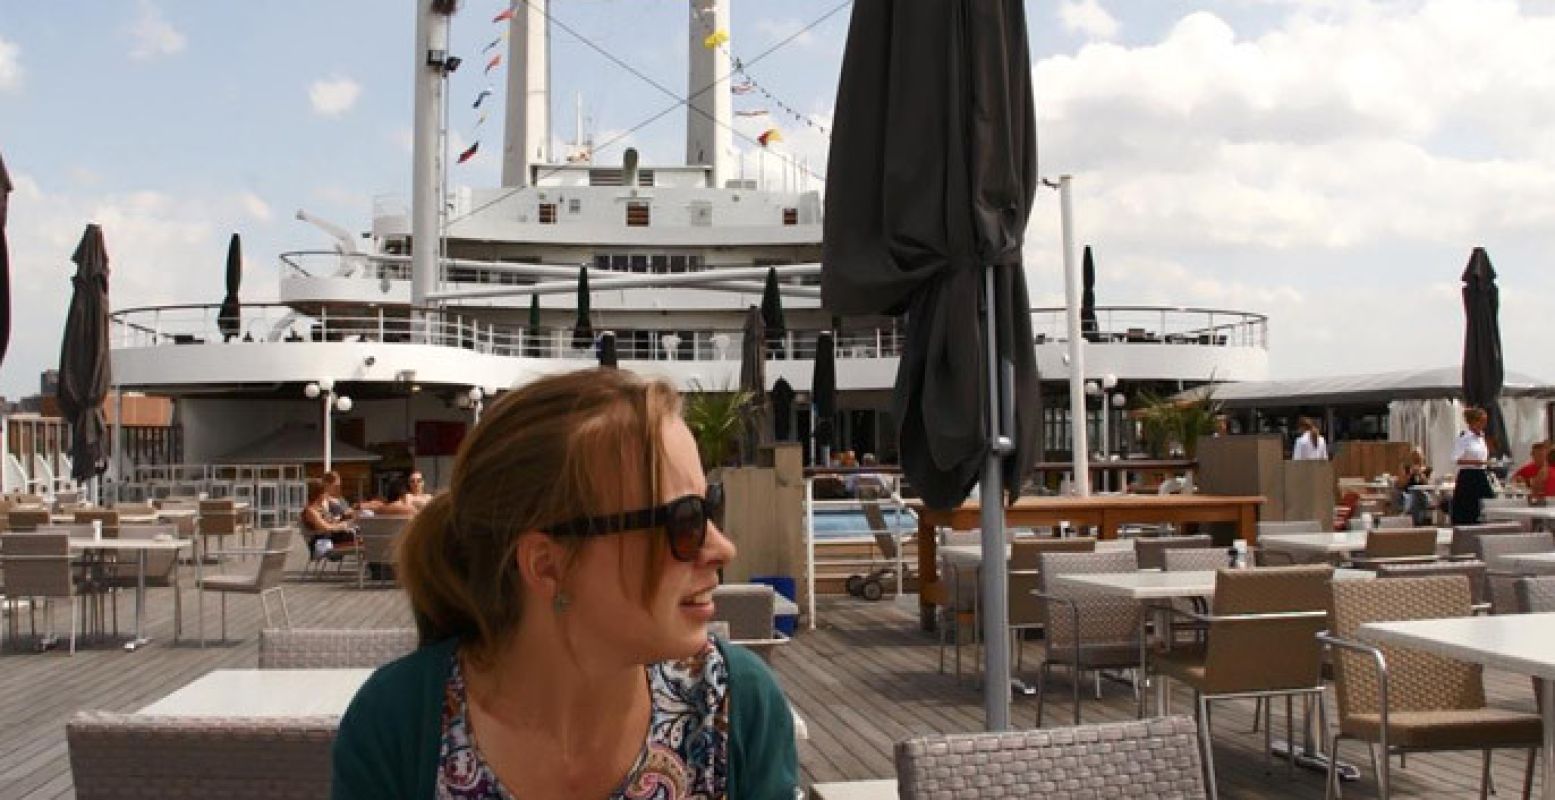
[{"x": 849, "y": 524}]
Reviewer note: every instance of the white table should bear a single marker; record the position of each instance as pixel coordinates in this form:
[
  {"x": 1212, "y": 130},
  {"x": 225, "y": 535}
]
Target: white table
[
  {"x": 263, "y": 693},
  {"x": 1522, "y": 643},
  {"x": 141, "y": 547},
  {"x": 1544, "y": 514},
  {"x": 1329, "y": 544},
  {"x": 855, "y": 790},
  {"x": 971, "y": 555},
  {"x": 1533, "y": 563}
]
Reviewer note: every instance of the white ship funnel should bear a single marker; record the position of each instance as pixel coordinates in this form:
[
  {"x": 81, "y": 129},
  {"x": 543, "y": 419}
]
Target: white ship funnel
[
  {"x": 629, "y": 168},
  {"x": 527, "y": 132},
  {"x": 710, "y": 112}
]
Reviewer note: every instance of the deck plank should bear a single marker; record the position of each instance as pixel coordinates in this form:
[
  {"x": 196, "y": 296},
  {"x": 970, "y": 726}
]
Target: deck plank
[{"x": 863, "y": 680}]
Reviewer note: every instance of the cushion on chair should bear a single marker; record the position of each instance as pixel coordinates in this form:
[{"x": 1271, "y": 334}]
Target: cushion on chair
[{"x": 1468, "y": 728}]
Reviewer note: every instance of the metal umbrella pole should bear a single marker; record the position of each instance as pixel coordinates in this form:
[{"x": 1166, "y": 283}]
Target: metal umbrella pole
[{"x": 995, "y": 579}]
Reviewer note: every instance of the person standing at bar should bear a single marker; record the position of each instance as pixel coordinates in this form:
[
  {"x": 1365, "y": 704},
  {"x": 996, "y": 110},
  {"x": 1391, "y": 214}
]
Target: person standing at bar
[{"x": 1471, "y": 453}]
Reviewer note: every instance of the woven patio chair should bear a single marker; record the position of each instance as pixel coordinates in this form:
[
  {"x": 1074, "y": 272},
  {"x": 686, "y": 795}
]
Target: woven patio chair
[
  {"x": 1500, "y": 573},
  {"x": 1261, "y": 643},
  {"x": 1154, "y": 758},
  {"x": 1026, "y": 610},
  {"x": 161, "y": 570},
  {"x": 109, "y": 517},
  {"x": 379, "y": 541},
  {"x": 1473, "y": 570},
  {"x": 749, "y": 608},
  {"x": 1086, "y": 631},
  {"x": 1396, "y": 546},
  {"x": 1197, "y": 560},
  {"x": 26, "y": 519},
  {"x": 303, "y": 648},
  {"x": 1152, "y": 551},
  {"x": 136, "y": 756},
  {"x": 1465, "y": 538},
  {"x": 1536, "y": 595},
  {"x": 37, "y": 565},
  {"x": 263, "y": 581},
  {"x": 1409, "y": 700},
  {"x": 1393, "y": 521}
]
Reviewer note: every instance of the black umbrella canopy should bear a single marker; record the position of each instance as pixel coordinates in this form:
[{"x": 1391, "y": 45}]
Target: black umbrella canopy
[
  {"x": 532, "y": 348},
  {"x": 1483, "y": 373},
  {"x": 607, "y": 350},
  {"x": 782, "y": 397},
  {"x": 916, "y": 209},
  {"x": 84, "y": 369},
  {"x": 753, "y": 381},
  {"x": 5, "y": 263},
  {"x": 772, "y": 312},
  {"x": 230, "y": 318},
  {"x": 1088, "y": 325},
  {"x": 583, "y": 329},
  {"x": 823, "y": 393}
]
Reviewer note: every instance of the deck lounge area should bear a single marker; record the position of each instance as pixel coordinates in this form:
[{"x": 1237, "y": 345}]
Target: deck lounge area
[{"x": 865, "y": 679}]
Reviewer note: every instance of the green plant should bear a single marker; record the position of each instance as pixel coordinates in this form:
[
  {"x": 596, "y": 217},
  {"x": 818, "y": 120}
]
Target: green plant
[
  {"x": 1168, "y": 421},
  {"x": 716, "y": 418}
]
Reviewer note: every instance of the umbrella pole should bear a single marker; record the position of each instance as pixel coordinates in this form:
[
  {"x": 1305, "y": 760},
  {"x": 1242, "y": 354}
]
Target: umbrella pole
[
  {"x": 995, "y": 579},
  {"x": 1079, "y": 447}
]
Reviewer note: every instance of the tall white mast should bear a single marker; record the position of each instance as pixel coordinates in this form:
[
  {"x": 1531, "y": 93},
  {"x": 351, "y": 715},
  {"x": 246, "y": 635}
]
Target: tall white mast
[
  {"x": 426, "y": 147},
  {"x": 710, "y": 113},
  {"x": 527, "y": 132}
]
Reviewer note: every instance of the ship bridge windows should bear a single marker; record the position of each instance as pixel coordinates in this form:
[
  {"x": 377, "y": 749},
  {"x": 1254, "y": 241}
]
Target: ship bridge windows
[
  {"x": 648, "y": 263},
  {"x": 637, "y": 214},
  {"x": 547, "y": 214},
  {"x": 790, "y": 216}
]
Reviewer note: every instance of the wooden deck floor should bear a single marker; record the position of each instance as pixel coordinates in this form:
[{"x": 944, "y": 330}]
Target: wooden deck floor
[{"x": 865, "y": 679}]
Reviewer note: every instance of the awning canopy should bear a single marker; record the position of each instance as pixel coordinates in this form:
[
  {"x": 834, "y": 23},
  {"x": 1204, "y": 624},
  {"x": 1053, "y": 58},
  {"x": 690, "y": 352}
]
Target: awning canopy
[
  {"x": 295, "y": 444},
  {"x": 1381, "y": 387}
]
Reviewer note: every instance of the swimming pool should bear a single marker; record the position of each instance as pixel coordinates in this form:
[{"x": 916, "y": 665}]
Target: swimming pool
[{"x": 846, "y": 523}]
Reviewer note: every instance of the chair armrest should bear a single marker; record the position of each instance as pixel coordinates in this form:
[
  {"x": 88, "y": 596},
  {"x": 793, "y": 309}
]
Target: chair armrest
[
  {"x": 1074, "y": 613},
  {"x": 1263, "y": 617},
  {"x": 1379, "y": 663}
]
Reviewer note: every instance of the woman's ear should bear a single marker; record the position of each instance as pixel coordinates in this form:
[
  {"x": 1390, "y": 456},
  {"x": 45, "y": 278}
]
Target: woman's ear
[{"x": 542, "y": 562}]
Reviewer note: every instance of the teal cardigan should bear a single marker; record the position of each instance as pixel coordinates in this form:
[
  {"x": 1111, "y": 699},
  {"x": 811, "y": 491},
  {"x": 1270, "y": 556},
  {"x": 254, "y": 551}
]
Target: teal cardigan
[{"x": 391, "y": 735}]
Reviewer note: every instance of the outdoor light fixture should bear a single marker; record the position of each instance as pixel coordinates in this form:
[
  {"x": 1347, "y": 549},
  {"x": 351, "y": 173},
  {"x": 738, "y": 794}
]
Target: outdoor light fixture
[{"x": 324, "y": 388}]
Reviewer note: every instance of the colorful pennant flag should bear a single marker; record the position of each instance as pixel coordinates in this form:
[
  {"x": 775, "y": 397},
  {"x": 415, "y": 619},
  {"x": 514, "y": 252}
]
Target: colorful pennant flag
[
  {"x": 494, "y": 43},
  {"x": 745, "y": 87},
  {"x": 481, "y": 98},
  {"x": 469, "y": 152},
  {"x": 715, "y": 39},
  {"x": 504, "y": 16},
  {"x": 771, "y": 135},
  {"x": 492, "y": 64}
]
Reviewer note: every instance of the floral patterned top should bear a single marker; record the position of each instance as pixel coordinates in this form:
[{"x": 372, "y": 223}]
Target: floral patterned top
[{"x": 686, "y": 756}]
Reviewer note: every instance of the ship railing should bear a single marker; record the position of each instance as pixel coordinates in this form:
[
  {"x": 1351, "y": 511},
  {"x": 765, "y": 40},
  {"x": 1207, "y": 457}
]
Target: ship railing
[
  {"x": 156, "y": 326},
  {"x": 900, "y": 524},
  {"x": 1158, "y": 325}
]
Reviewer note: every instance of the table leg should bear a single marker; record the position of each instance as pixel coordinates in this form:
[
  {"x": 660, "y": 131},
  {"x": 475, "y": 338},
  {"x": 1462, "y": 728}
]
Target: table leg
[
  {"x": 1549, "y": 736},
  {"x": 140, "y": 601},
  {"x": 1163, "y": 622}
]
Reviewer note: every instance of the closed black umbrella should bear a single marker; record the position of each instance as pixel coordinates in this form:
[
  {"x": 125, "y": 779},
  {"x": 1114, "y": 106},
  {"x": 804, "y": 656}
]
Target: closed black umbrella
[
  {"x": 823, "y": 396},
  {"x": 782, "y": 397},
  {"x": 929, "y": 183},
  {"x": 1483, "y": 372},
  {"x": 532, "y": 347},
  {"x": 753, "y": 381},
  {"x": 230, "y": 318},
  {"x": 583, "y": 329},
  {"x": 772, "y": 314},
  {"x": 607, "y": 350},
  {"x": 84, "y": 369},
  {"x": 5, "y": 264},
  {"x": 1088, "y": 325}
]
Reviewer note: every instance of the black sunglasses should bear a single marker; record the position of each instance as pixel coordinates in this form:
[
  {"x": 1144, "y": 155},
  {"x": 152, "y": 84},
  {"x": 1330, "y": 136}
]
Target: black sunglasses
[{"x": 684, "y": 520}]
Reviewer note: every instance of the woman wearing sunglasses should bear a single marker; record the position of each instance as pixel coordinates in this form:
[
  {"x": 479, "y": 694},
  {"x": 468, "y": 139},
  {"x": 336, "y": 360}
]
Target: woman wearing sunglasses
[{"x": 562, "y": 586}]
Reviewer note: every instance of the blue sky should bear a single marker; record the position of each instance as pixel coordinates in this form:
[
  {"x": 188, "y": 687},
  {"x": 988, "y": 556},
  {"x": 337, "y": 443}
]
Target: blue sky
[{"x": 1328, "y": 162}]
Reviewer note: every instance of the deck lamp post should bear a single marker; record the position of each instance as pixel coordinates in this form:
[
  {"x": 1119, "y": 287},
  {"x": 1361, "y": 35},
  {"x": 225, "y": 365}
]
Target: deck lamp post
[
  {"x": 1106, "y": 389},
  {"x": 325, "y": 388}
]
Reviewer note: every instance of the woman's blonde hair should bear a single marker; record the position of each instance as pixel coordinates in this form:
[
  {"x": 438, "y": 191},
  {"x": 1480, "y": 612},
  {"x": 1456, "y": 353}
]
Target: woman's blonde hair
[{"x": 567, "y": 446}]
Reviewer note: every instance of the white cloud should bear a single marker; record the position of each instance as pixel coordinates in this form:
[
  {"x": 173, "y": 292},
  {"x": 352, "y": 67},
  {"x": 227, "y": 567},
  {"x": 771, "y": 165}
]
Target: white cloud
[
  {"x": 255, "y": 206},
  {"x": 776, "y": 30},
  {"x": 152, "y": 36},
  {"x": 1326, "y": 171},
  {"x": 1089, "y": 18},
  {"x": 334, "y": 96},
  {"x": 10, "y": 66}
]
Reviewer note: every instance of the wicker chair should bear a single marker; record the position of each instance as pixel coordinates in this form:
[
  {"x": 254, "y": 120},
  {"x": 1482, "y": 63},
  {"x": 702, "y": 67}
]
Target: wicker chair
[
  {"x": 1026, "y": 610},
  {"x": 1200, "y": 559},
  {"x": 1500, "y": 574},
  {"x": 1152, "y": 552},
  {"x": 161, "y": 570},
  {"x": 1465, "y": 538},
  {"x": 109, "y": 517},
  {"x": 1396, "y": 546},
  {"x": 301, "y": 648},
  {"x": 749, "y": 609},
  {"x": 1155, "y": 758},
  {"x": 37, "y": 565},
  {"x": 1084, "y": 631},
  {"x": 1262, "y": 643},
  {"x": 1396, "y": 521},
  {"x": 136, "y": 756},
  {"x": 264, "y": 580},
  {"x": 379, "y": 538},
  {"x": 26, "y": 519},
  {"x": 1409, "y": 700},
  {"x": 1536, "y": 595},
  {"x": 1473, "y": 570}
]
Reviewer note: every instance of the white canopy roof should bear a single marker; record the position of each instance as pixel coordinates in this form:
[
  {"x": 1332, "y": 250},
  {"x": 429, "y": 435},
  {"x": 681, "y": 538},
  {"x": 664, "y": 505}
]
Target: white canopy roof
[{"x": 1445, "y": 382}]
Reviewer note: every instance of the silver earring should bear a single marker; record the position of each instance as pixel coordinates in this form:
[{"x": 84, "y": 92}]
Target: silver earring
[{"x": 560, "y": 602}]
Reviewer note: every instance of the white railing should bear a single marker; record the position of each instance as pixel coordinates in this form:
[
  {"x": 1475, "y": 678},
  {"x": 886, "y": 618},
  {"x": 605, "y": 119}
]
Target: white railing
[
  {"x": 901, "y": 522},
  {"x": 1159, "y": 325},
  {"x": 199, "y": 324}
]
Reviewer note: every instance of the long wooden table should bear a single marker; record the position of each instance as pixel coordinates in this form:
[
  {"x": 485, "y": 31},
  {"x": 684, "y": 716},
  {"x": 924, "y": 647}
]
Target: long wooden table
[{"x": 1104, "y": 512}]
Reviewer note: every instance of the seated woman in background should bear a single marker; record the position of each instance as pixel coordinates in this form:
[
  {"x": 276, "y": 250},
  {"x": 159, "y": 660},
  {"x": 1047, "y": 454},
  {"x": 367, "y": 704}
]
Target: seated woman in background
[
  {"x": 1415, "y": 473},
  {"x": 417, "y": 494},
  {"x": 325, "y": 535},
  {"x": 1536, "y": 464},
  {"x": 395, "y": 502}
]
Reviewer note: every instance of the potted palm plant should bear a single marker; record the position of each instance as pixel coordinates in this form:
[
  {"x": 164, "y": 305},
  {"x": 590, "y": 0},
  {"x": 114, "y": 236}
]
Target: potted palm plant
[{"x": 715, "y": 418}]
